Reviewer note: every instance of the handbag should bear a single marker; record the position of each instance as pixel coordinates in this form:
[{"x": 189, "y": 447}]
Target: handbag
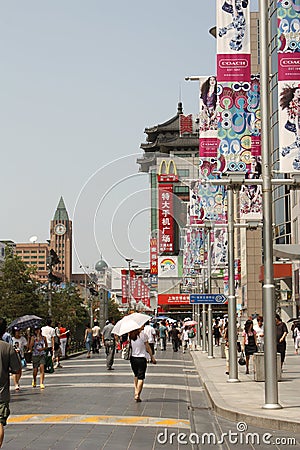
[
  {"x": 241, "y": 360},
  {"x": 23, "y": 363},
  {"x": 127, "y": 351}
]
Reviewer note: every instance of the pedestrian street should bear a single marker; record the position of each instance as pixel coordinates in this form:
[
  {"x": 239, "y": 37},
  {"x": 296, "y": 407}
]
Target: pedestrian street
[{"x": 84, "y": 406}]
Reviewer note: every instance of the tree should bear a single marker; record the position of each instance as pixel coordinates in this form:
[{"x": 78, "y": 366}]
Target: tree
[
  {"x": 67, "y": 308},
  {"x": 113, "y": 310},
  {"x": 19, "y": 293}
]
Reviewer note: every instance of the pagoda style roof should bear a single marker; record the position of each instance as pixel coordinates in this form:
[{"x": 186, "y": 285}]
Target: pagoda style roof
[
  {"x": 61, "y": 212},
  {"x": 164, "y": 138}
]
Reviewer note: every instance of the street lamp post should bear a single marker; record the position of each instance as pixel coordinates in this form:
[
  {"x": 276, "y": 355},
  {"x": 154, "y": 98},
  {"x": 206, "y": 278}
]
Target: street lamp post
[{"x": 271, "y": 384}]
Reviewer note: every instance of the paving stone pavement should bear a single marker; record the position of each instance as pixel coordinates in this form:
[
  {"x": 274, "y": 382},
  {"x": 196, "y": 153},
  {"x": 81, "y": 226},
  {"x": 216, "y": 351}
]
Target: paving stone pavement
[{"x": 84, "y": 406}]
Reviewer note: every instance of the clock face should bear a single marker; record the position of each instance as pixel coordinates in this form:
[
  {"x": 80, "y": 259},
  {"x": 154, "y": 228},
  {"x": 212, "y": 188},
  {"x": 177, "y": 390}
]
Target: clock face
[{"x": 60, "y": 229}]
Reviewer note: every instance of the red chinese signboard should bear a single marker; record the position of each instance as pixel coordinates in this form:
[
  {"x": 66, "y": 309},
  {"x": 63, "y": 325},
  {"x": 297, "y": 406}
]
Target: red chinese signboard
[
  {"x": 173, "y": 299},
  {"x": 166, "y": 218}
]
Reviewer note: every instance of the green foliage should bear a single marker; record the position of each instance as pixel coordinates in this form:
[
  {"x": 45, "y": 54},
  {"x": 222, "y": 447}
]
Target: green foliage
[
  {"x": 21, "y": 294},
  {"x": 67, "y": 308},
  {"x": 18, "y": 290},
  {"x": 113, "y": 310}
]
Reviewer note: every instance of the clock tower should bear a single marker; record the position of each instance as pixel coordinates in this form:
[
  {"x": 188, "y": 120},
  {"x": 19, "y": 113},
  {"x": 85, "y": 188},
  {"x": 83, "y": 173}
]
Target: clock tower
[{"x": 61, "y": 241}]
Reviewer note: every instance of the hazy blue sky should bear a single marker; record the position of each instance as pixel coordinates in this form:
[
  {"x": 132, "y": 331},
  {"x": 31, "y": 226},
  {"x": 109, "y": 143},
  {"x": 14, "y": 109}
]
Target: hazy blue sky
[{"x": 80, "y": 82}]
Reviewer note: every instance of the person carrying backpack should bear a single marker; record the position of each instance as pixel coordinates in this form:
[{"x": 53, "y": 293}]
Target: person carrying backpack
[{"x": 192, "y": 338}]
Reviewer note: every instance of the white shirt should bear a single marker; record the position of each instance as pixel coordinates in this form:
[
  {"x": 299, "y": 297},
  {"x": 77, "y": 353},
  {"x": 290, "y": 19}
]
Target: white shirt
[
  {"x": 96, "y": 331},
  {"x": 150, "y": 333},
  {"x": 138, "y": 346},
  {"x": 48, "y": 332},
  {"x": 19, "y": 344}
]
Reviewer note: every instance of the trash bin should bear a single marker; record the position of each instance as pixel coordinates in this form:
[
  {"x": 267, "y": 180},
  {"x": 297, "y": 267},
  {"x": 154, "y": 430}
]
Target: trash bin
[
  {"x": 259, "y": 366},
  {"x": 223, "y": 349}
]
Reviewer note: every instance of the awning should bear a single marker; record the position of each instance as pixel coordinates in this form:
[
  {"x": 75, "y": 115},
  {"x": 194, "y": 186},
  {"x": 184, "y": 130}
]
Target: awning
[{"x": 290, "y": 251}]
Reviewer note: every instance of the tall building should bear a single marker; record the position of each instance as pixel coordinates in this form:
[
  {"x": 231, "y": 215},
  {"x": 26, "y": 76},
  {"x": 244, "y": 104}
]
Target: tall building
[
  {"x": 61, "y": 240},
  {"x": 35, "y": 254}
]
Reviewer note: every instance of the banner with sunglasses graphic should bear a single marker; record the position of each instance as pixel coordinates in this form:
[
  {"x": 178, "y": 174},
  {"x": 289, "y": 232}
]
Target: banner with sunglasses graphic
[
  {"x": 288, "y": 19},
  {"x": 234, "y": 85},
  {"x": 239, "y": 127}
]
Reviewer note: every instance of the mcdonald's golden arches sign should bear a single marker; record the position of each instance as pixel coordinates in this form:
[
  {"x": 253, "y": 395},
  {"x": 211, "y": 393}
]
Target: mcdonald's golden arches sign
[{"x": 167, "y": 171}]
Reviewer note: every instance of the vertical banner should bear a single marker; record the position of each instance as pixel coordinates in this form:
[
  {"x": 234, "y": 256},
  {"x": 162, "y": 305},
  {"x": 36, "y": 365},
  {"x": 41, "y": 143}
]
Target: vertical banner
[
  {"x": 124, "y": 286},
  {"x": 153, "y": 256},
  {"x": 288, "y": 19},
  {"x": 234, "y": 83},
  {"x": 166, "y": 218},
  {"x": 208, "y": 122},
  {"x": 207, "y": 202}
]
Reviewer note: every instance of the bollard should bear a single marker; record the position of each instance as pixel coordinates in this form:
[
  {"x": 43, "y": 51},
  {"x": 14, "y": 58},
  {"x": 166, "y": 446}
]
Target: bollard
[
  {"x": 259, "y": 366},
  {"x": 223, "y": 349}
]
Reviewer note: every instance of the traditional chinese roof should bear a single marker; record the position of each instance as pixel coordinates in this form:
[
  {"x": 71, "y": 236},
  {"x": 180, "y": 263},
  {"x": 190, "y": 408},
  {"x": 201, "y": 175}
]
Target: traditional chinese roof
[{"x": 164, "y": 138}]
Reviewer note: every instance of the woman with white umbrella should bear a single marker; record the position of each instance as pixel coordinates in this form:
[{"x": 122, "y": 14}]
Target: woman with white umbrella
[
  {"x": 138, "y": 360},
  {"x": 140, "y": 348}
]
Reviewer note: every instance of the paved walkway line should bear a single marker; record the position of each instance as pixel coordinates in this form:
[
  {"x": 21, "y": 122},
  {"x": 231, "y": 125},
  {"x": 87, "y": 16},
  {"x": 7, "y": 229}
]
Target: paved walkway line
[
  {"x": 145, "y": 421},
  {"x": 110, "y": 374},
  {"x": 108, "y": 385}
]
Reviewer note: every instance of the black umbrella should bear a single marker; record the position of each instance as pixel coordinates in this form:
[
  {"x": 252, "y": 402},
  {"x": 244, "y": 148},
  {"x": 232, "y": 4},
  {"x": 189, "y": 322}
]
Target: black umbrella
[{"x": 26, "y": 322}]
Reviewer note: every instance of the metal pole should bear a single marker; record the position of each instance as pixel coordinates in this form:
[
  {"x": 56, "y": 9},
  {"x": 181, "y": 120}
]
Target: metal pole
[
  {"x": 209, "y": 316},
  {"x": 203, "y": 329},
  {"x": 50, "y": 299},
  {"x": 91, "y": 311},
  {"x": 271, "y": 385},
  {"x": 233, "y": 368}
]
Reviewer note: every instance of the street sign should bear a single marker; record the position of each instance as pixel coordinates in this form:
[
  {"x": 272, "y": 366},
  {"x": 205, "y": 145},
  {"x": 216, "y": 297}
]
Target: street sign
[{"x": 208, "y": 299}]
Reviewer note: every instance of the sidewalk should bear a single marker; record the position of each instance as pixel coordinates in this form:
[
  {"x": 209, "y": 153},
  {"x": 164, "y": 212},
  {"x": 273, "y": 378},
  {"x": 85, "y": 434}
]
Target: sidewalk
[{"x": 243, "y": 401}]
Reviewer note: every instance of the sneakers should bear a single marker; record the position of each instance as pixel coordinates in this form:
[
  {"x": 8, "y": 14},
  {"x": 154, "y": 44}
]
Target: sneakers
[
  {"x": 33, "y": 384},
  {"x": 42, "y": 386},
  {"x": 17, "y": 387}
]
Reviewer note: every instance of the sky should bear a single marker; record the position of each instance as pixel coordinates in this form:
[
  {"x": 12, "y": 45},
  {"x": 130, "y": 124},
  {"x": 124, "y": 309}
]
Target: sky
[{"x": 81, "y": 80}]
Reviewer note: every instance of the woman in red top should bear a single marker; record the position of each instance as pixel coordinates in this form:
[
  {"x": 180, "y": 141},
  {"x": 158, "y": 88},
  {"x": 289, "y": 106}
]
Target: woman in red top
[{"x": 63, "y": 339}]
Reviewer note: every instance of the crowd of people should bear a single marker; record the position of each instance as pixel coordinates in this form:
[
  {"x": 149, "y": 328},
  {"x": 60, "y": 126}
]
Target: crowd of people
[{"x": 48, "y": 344}]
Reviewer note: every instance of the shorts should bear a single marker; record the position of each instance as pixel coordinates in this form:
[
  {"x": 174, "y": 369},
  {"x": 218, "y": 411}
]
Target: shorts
[
  {"x": 4, "y": 412},
  {"x": 37, "y": 361},
  {"x": 139, "y": 366},
  {"x": 57, "y": 353}
]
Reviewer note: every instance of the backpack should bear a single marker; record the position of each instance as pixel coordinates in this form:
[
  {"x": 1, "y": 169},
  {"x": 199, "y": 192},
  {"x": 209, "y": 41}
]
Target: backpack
[
  {"x": 191, "y": 334},
  {"x": 56, "y": 341}
]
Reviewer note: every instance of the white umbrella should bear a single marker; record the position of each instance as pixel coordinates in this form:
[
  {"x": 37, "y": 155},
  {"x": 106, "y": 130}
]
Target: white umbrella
[
  {"x": 129, "y": 323},
  {"x": 190, "y": 323}
]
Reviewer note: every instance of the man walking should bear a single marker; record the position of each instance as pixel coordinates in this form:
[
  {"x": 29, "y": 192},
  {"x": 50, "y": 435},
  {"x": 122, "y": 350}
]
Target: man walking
[
  {"x": 10, "y": 363},
  {"x": 109, "y": 343}
]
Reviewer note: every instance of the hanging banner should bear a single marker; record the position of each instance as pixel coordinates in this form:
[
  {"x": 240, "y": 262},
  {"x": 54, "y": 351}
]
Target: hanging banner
[
  {"x": 124, "y": 286},
  {"x": 288, "y": 19},
  {"x": 207, "y": 202},
  {"x": 233, "y": 40},
  {"x": 208, "y": 122},
  {"x": 166, "y": 218},
  {"x": 153, "y": 256},
  {"x": 234, "y": 84}
]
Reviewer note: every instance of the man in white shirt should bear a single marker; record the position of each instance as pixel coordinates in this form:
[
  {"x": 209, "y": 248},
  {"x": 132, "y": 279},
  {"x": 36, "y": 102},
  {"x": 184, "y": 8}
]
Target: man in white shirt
[
  {"x": 96, "y": 338},
  {"x": 151, "y": 335},
  {"x": 49, "y": 332}
]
